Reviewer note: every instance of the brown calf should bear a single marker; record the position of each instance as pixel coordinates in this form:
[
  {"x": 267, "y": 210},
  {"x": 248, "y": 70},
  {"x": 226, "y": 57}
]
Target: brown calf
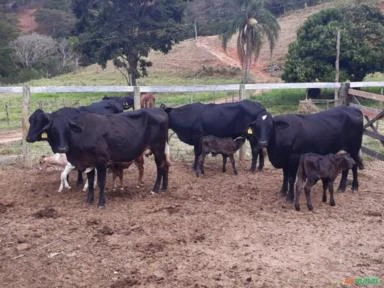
[
  {"x": 227, "y": 147},
  {"x": 117, "y": 169},
  {"x": 147, "y": 100},
  {"x": 313, "y": 167}
]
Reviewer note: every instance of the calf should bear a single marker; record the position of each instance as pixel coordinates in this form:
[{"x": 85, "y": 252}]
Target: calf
[
  {"x": 117, "y": 169},
  {"x": 59, "y": 161},
  {"x": 56, "y": 161},
  {"x": 215, "y": 145},
  {"x": 313, "y": 167},
  {"x": 147, "y": 100}
]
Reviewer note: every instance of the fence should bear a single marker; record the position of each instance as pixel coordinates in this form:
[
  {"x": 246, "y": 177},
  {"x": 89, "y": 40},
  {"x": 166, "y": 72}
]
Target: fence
[
  {"x": 372, "y": 115},
  {"x": 241, "y": 89}
]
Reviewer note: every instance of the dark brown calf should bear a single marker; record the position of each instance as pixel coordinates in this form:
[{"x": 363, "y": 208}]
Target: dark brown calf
[
  {"x": 313, "y": 167},
  {"x": 147, "y": 100},
  {"x": 215, "y": 145},
  {"x": 117, "y": 169}
]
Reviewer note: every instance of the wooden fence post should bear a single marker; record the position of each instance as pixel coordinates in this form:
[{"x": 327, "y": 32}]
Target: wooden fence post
[
  {"x": 136, "y": 97},
  {"x": 25, "y": 125},
  {"x": 343, "y": 93},
  {"x": 242, "y": 96}
]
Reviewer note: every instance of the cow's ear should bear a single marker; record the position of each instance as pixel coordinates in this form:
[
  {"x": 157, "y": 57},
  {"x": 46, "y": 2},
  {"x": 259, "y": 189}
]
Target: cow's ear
[
  {"x": 48, "y": 121},
  {"x": 165, "y": 108},
  {"x": 75, "y": 127},
  {"x": 279, "y": 124}
]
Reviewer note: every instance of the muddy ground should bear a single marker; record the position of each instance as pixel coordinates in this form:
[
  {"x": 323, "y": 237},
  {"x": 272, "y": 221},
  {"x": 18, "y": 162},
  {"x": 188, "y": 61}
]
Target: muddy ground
[{"x": 220, "y": 230}]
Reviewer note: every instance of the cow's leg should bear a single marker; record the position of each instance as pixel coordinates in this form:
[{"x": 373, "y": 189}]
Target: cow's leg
[
  {"x": 101, "y": 176},
  {"x": 165, "y": 175},
  {"x": 140, "y": 166},
  {"x": 261, "y": 160},
  {"x": 292, "y": 171},
  {"x": 284, "y": 187},
  {"x": 91, "y": 188},
  {"x": 233, "y": 163},
  {"x": 343, "y": 181},
  {"x": 197, "y": 150},
  {"x": 325, "y": 186},
  {"x": 224, "y": 162},
  {"x": 161, "y": 167},
  {"x": 331, "y": 200},
  {"x": 79, "y": 181},
  {"x": 200, "y": 164},
  {"x": 121, "y": 175},
  {"x": 255, "y": 154},
  {"x": 299, "y": 187},
  {"x": 307, "y": 189},
  {"x": 355, "y": 181}
]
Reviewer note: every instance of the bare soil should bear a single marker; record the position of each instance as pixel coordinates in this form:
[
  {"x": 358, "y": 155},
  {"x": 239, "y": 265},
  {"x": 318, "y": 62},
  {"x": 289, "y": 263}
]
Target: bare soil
[{"x": 219, "y": 230}]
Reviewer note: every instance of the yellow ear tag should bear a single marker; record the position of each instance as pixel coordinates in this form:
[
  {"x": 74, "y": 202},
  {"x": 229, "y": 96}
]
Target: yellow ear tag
[
  {"x": 44, "y": 135},
  {"x": 249, "y": 132}
]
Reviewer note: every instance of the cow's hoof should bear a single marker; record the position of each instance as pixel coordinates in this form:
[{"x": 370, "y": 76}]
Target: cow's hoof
[
  {"x": 297, "y": 207},
  {"x": 153, "y": 193},
  {"x": 341, "y": 189},
  {"x": 289, "y": 199},
  {"x": 310, "y": 207},
  {"x": 332, "y": 203}
]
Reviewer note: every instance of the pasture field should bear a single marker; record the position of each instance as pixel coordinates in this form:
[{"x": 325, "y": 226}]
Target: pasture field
[{"x": 219, "y": 230}]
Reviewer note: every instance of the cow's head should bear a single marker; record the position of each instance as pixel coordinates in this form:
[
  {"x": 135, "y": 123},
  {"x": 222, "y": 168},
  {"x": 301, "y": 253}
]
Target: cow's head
[
  {"x": 59, "y": 134},
  {"x": 128, "y": 102},
  {"x": 344, "y": 161},
  {"x": 261, "y": 129},
  {"x": 40, "y": 123}
]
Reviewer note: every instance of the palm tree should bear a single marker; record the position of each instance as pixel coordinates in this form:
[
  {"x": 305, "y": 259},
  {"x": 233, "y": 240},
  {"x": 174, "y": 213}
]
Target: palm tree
[{"x": 253, "y": 23}]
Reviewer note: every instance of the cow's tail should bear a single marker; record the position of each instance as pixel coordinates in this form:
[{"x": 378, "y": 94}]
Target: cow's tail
[
  {"x": 167, "y": 154},
  {"x": 360, "y": 163}
]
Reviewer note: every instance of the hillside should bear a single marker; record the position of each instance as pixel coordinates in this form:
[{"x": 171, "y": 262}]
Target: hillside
[{"x": 190, "y": 55}]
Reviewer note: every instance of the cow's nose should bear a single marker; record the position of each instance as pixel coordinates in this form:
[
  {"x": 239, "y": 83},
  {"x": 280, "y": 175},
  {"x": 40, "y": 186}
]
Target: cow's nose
[{"x": 62, "y": 149}]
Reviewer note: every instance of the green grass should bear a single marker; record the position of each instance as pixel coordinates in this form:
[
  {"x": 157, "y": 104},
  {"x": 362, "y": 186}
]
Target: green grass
[
  {"x": 280, "y": 101},
  {"x": 276, "y": 101}
]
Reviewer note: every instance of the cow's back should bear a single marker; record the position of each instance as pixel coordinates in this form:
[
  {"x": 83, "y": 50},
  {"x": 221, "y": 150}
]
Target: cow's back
[
  {"x": 325, "y": 132},
  {"x": 192, "y": 121},
  {"x": 229, "y": 119},
  {"x": 119, "y": 137}
]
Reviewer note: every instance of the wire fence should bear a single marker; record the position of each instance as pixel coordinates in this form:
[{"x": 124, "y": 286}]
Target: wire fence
[{"x": 17, "y": 103}]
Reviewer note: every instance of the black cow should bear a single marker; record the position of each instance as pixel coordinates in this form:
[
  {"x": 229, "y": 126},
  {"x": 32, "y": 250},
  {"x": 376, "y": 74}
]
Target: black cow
[
  {"x": 41, "y": 122},
  {"x": 288, "y": 136},
  {"x": 193, "y": 121},
  {"x": 125, "y": 101},
  {"x": 94, "y": 140}
]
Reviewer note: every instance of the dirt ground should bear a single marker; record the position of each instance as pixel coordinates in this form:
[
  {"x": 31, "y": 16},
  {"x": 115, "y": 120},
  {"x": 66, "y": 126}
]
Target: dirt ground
[{"x": 219, "y": 230}]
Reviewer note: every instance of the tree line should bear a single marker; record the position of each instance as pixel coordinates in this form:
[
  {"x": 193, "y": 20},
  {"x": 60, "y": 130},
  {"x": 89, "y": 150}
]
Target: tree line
[{"x": 82, "y": 32}]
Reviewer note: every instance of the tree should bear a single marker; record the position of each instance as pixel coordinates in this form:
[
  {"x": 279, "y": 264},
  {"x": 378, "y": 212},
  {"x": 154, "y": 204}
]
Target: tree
[
  {"x": 8, "y": 32},
  {"x": 253, "y": 24},
  {"x": 126, "y": 30},
  {"x": 312, "y": 56},
  {"x": 55, "y": 23},
  {"x": 33, "y": 49}
]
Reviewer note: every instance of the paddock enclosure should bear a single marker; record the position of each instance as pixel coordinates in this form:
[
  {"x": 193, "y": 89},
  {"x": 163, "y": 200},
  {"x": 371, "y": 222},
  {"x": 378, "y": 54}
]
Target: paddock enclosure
[
  {"x": 218, "y": 230},
  {"x": 221, "y": 230}
]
